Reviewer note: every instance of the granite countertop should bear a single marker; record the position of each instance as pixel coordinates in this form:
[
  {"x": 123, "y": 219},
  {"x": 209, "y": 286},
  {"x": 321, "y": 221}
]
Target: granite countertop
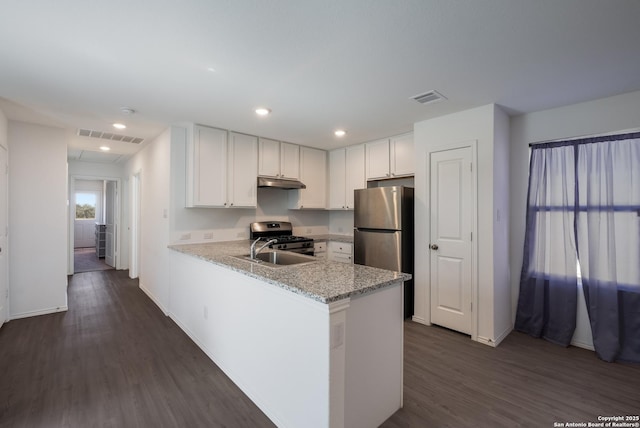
[
  {"x": 332, "y": 237},
  {"x": 321, "y": 280}
]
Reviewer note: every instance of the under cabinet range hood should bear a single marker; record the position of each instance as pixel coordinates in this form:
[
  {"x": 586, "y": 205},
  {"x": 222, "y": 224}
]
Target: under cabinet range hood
[{"x": 280, "y": 183}]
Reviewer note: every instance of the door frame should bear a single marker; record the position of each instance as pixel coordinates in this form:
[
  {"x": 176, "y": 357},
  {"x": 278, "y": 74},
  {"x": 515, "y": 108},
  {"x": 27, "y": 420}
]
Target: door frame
[
  {"x": 72, "y": 215},
  {"x": 473, "y": 144},
  {"x": 4, "y": 170},
  {"x": 134, "y": 224}
]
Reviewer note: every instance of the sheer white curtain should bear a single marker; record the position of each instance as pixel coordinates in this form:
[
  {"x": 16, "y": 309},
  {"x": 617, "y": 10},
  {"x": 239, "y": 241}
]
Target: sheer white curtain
[
  {"x": 608, "y": 235},
  {"x": 547, "y": 303}
]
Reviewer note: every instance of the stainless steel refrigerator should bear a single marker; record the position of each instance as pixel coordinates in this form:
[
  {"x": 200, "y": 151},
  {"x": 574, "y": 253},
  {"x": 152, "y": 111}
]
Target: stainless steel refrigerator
[{"x": 383, "y": 232}]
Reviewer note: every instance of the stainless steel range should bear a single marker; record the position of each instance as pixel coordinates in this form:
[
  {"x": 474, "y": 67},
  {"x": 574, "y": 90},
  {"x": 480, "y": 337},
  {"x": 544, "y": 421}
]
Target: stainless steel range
[{"x": 283, "y": 232}]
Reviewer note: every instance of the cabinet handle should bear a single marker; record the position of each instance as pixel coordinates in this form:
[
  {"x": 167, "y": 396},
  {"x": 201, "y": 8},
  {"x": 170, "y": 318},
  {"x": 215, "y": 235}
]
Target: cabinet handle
[
  {"x": 231, "y": 204},
  {"x": 343, "y": 206},
  {"x": 434, "y": 246},
  {"x": 225, "y": 204},
  {"x": 388, "y": 174}
]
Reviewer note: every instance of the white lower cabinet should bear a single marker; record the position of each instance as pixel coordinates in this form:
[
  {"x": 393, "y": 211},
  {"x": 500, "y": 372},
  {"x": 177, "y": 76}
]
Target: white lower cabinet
[
  {"x": 320, "y": 249},
  {"x": 340, "y": 252}
]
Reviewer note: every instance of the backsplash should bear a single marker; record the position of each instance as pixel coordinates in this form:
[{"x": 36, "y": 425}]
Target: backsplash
[{"x": 191, "y": 225}]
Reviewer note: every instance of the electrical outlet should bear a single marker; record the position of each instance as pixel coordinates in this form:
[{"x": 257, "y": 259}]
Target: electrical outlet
[
  {"x": 207, "y": 235},
  {"x": 185, "y": 236}
]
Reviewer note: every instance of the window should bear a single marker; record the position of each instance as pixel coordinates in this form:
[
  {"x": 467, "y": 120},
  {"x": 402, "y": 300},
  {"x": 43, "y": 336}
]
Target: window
[{"x": 86, "y": 203}]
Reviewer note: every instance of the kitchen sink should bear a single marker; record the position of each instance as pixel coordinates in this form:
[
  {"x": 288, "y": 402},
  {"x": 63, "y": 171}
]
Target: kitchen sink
[{"x": 279, "y": 258}]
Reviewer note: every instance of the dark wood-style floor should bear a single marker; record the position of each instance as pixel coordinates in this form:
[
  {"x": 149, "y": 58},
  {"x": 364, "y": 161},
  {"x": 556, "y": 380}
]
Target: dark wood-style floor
[{"x": 114, "y": 360}]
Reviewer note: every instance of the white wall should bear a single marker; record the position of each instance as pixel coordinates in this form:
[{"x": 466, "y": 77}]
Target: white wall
[
  {"x": 4, "y": 129},
  {"x": 37, "y": 219},
  {"x": 479, "y": 125},
  {"x": 95, "y": 169},
  {"x": 618, "y": 113},
  {"x": 154, "y": 164}
]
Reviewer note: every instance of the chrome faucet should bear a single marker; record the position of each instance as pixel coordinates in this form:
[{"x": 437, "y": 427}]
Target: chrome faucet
[{"x": 253, "y": 252}]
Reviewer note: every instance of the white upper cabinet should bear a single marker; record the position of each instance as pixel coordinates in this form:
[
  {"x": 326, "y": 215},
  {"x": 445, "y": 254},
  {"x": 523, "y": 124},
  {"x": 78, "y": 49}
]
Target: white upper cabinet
[
  {"x": 278, "y": 159},
  {"x": 221, "y": 168},
  {"x": 337, "y": 188},
  {"x": 313, "y": 173},
  {"x": 354, "y": 172},
  {"x": 346, "y": 173},
  {"x": 289, "y": 160},
  {"x": 389, "y": 158},
  {"x": 377, "y": 159},
  {"x": 206, "y": 167},
  {"x": 402, "y": 155},
  {"x": 242, "y": 155}
]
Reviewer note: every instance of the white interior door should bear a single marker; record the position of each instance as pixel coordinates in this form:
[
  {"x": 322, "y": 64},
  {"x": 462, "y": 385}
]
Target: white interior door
[
  {"x": 451, "y": 227},
  {"x": 110, "y": 205},
  {"x": 4, "y": 203}
]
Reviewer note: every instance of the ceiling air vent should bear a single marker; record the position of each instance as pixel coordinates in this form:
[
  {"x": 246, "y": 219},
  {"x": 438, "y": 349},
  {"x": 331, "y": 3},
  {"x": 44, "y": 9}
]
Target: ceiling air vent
[
  {"x": 109, "y": 136},
  {"x": 429, "y": 97}
]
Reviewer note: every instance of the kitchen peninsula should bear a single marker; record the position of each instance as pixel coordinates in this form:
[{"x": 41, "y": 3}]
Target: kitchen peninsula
[{"x": 317, "y": 344}]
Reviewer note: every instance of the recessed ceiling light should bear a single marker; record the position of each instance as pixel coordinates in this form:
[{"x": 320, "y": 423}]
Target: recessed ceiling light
[
  {"x": 211, "y": 69},
  {"x": 261, "y": 111},
  {"x": 119, "y": 125},
  {"x": 340, "y": 133},
  {"x": 105, "y": 148},
  {"x": 127, "y": 110}
]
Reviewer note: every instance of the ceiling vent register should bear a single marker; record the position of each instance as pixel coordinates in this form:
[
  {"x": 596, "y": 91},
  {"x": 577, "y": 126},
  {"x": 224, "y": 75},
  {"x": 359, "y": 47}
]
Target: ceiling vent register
[
  {"x": 109, "y": 136},
  {"x": 429, "y": 97}
]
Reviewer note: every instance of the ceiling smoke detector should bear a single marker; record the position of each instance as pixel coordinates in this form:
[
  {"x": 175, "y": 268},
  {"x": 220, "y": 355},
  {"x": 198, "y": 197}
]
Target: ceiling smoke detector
[
  {"x": 127, "y": 110},
  {"x": 429, "y": 97}
]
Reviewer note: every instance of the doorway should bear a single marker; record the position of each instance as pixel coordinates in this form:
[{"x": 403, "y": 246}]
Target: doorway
[
  {"x": 451, "y": 246},
  {"x": 94, "y": 217}
]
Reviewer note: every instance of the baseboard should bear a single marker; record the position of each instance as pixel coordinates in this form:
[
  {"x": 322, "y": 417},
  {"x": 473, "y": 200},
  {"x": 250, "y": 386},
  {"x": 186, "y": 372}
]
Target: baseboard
[
  {"x": 420, "y": 320},
  {"x": 153, "y": 299},
  {"x": 503, "y": 335},
  {"x": 582, "y": 345},
  {"x": 256, "y": 398},
  {"x": 494, "y": 342},
  {"x": 38, "y": 312}
]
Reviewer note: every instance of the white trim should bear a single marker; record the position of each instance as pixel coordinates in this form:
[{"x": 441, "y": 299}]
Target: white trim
[
  {"x": 153, "y": 298},
  {"x": 420, "y": 320},
  {"x": 497, "y": 341},
  {"x": 134, "y": 225},
  {"x": 39, "y": 312}
]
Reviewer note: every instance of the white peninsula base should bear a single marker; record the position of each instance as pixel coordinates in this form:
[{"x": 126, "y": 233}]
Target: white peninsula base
[{"x": 302, "y": 362}]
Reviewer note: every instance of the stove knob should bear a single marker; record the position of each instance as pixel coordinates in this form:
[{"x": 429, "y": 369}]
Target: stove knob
[{"x": 284, "y": 246}]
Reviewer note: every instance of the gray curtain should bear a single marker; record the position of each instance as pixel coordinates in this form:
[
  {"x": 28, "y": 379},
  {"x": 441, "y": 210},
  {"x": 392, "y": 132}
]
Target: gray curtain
[
  {"x": 584, "y": 205},
  {"x": 547, "y": 303},
  {"x": 608, "y": 234}
]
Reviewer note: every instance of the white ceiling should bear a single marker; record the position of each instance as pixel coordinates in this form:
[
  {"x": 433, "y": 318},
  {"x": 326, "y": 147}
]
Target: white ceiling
[{"x": 319, "y": 65}]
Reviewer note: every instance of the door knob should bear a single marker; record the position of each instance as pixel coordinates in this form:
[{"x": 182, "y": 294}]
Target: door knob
[{"x": 433, "y": 246}]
